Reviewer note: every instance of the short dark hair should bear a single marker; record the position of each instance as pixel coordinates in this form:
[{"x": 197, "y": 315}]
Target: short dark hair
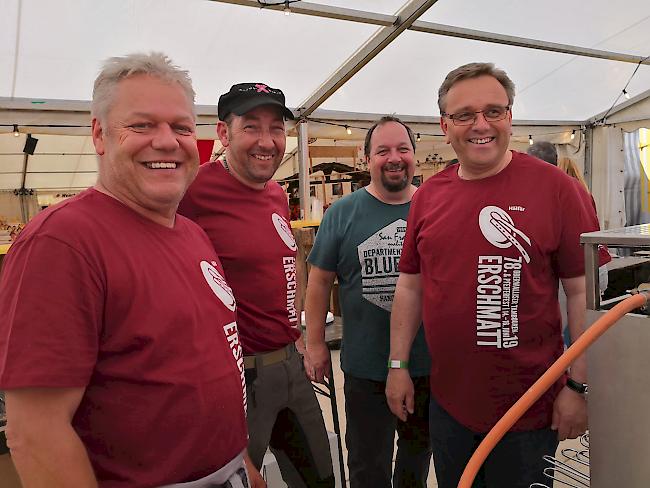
[
  {"x": 474, "y": 70},
  {"x": 384, "y": 120},
  {"x": 545, "y": 151},
  {"x": 228, "y": 119}
]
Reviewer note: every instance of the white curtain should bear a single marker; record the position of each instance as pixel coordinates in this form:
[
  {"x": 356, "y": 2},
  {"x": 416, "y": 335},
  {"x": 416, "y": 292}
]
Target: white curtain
[{"x": 10, "y": 206}]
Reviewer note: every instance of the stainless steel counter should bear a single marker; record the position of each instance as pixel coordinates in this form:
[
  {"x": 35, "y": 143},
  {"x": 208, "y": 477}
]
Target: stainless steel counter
[{"x": 619, "y": 379}]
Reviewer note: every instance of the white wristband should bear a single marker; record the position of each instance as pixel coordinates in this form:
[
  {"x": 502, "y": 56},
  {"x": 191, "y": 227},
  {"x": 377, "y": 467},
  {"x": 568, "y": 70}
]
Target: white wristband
[{"x": 397, "y": 364}]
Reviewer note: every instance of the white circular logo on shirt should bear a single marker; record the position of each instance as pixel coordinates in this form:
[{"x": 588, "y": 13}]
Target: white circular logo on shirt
[
  {"x": 499, "y": 229},
  {"x": 284, "y": 231},
  {"x": 218, "y": 285},
  {"x": 493, "y": 221}
]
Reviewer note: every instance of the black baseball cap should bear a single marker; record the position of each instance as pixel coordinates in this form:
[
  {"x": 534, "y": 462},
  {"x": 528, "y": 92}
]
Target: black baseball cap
[{"x": 244, "y": 97}]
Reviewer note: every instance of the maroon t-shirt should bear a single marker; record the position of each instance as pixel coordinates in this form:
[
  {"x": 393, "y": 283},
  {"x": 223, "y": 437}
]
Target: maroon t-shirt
[
  {"x": 490, "y": 253},
  {"x": 250, "y": 231},
  {"x": 94, "y": 295}
]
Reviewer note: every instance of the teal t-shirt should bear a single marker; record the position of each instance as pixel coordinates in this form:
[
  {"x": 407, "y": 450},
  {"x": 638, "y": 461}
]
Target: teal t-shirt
[{"x": 360, "y": 239}]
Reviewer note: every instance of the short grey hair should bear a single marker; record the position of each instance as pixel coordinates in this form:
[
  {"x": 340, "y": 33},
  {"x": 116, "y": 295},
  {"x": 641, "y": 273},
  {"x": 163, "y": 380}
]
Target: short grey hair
[
  {"x": 118, "y": 68},
  {"x": 474, "y": 70},
  {"x": 545, "y": 151}
]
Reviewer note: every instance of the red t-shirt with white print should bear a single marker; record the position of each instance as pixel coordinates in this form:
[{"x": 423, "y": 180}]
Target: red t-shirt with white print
[
  {"x": 490, "y": 253},
  {"x": 250, "y": 232}
]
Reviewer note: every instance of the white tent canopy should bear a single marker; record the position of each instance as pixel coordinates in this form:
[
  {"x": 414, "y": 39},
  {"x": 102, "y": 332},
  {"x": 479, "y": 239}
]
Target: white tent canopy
[
  {"x": 53, "y": 50},
  {"x": 343, "y": 61}
]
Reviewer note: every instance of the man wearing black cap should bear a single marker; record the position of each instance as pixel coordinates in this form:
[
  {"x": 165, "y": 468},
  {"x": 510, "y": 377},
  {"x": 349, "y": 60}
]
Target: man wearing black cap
[{"x": 245, "y": 214}]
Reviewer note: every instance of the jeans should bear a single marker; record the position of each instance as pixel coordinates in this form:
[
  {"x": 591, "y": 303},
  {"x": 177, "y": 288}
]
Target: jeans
[
  {"x": 370, "y": 436},
  {"x": 515, "y": 462}
]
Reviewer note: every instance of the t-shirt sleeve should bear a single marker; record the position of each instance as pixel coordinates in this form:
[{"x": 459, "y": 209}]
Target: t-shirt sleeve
[
  {"x": 577, "y": 216},
  {"x": 603, "y": 252},
  {"x": 51, "y": 304},
  {"x": 410, "y": 260},
  {"x": 325, "y": 252}
]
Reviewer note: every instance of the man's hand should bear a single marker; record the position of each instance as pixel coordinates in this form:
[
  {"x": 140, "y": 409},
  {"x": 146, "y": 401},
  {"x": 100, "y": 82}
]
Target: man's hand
[
  {"x": 254, "y": 475},
  {"x": 400, "y": 393},
  {"x": 319, "y": 358},
  {"x": 569, "y": 414}
]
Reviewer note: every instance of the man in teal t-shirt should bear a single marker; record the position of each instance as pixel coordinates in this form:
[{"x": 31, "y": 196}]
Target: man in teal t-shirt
[{"x": 360, "y": 242}]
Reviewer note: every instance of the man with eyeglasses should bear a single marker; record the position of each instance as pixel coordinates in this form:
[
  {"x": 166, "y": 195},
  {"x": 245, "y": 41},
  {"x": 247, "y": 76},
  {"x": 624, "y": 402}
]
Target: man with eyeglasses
[{"x": 486, "y": 243}]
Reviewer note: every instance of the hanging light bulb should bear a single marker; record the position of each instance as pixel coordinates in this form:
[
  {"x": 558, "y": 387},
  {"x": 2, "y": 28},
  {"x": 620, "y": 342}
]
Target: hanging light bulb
[
  {"x": 348, "y": 130},
  {"x": 16, "y": 133},
  {"x": 418, "y": 138},
  {"x": 626, "y": 94},
  {"x": 530, "y": 140},
  {"x": 287, "y": 10},
  {"x": 573, "y": 134}
]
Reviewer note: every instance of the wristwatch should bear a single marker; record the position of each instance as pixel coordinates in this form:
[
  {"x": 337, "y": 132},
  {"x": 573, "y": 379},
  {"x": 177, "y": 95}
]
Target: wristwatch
[
  {"x": 581, "y": 388},
  {"x": 397, "y": 364}
]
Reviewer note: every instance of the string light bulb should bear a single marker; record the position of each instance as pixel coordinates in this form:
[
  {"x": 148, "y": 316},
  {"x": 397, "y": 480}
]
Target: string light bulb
[
  {"x": 573, "y": 134},
  {"x": 418, "y": 138},
  {"x": 626, "y": 94},
  {"x": 530, "y": 140},
  {"x": 16, "y": 133},
  {"x": 348, "y": 130}
]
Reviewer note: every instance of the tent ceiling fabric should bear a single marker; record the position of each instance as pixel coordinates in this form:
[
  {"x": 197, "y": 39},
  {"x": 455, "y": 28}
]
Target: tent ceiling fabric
[
  {"x": 61, "y": 44},
  {"x": 549, "y": 85},
  {"x": 612, "y": 26},
  {"x": 52, "y": 50}
]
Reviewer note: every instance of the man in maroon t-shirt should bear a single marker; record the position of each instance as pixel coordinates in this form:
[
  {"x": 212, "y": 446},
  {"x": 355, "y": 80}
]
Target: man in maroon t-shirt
[
  {"x": 119, "y": 350},
  {"x": 486, "y": 243},
  {"x": 246, "y": 216}
]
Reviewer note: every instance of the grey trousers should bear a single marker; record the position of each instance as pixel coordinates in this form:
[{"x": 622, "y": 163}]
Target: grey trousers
[{"x": 283, "y": 414}]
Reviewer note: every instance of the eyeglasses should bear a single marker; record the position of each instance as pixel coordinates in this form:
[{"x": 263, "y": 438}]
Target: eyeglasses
[{"x": 492, "y": 114}]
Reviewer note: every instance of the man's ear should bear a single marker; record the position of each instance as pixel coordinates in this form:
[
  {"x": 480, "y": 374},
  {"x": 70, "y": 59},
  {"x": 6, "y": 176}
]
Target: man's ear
[
  {"x": 222, "y": 133},
  {"x": 98, "y": 136},
  {"x": 443, "y": 126}
]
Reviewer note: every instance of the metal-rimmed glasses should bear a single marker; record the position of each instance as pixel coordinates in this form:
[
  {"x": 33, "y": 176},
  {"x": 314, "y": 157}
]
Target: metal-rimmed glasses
[{"x": 490, "y": 114}]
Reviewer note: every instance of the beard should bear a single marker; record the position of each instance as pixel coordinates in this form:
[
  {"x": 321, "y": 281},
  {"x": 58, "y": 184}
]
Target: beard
[{"x": 392, "y": 185}]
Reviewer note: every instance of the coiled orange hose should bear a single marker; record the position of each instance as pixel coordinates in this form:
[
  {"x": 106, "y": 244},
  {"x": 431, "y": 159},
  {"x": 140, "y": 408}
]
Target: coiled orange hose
[{"x": 556, "y": 370}]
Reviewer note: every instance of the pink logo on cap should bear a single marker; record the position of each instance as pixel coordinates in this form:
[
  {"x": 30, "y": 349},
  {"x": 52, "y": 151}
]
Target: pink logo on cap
[{"x": 262, "y": 88}]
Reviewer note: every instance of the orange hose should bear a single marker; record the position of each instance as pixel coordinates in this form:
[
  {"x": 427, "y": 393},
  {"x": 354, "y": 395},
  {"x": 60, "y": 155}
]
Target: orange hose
[{"x": 556, "y": 370}]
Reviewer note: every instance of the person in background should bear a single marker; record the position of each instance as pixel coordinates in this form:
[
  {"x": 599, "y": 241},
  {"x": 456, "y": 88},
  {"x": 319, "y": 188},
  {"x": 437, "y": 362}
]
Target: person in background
[
  {"x": 546, "y": 152},
  {"x": 569, "y": 167},
  {"x": 245, "y": 214},
  {"x": 359, "y": 242},
  {"x": 486, "y": 243},
  {"x": 119, "y": 350},
  {"x": 543, "y": 150}
]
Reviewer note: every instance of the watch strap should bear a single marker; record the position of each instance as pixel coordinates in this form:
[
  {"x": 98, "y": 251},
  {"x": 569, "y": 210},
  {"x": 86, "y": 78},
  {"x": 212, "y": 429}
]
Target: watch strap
[
  {"x": 581, "y": 388},
  {"x": 397, "y": 364}
]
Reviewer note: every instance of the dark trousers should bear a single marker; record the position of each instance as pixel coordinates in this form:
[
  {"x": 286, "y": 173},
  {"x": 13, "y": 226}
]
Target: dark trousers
[
  {"x": 370, "y": 436},
  {"x": 516, "y": 461}
]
